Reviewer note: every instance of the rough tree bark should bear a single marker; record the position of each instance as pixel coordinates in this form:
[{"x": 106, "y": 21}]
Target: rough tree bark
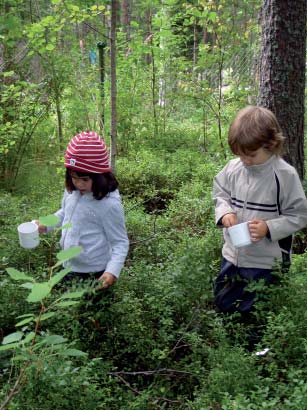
[
  {"x": 113, "y": 84},
  {"x": 282, "y": 72},
  {"x": 125, "y": 7}
]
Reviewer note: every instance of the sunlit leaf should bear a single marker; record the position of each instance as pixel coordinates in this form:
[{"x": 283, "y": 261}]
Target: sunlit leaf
[
  {"x": 50, "y": 47},
  {"x": 66, "y": 226},
  {"x": 39, "y": 292},
  {"x": 27, "y": 285},
  {"x": 68, "y": 254},
  {"x": 25, "y": 321},
  {"x": 73, "y": 352},
  {"x": 49, "y": 220},
  {"x": 9, "y": 346},
  {"x": 8, "y": 73},
  {"x": 13, "y": 337},
  {"x": 17, "y": 275},
  {"x": 67, "y": 303},
  {"x": 46, "y": 316},
  {"x": 54, "y": 339},
  {"x": 29, "y": 337},
  {"x": 59, "y": 276},
  {"x": 73, "y": 295},
  {"x": 25, "y": 315},
  {"x": 212, "y": 16}
]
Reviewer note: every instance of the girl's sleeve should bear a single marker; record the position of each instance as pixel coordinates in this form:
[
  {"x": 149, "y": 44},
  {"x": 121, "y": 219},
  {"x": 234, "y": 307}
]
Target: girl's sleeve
[
  {"x": 116, "y": 233},
  {"x": 222, "y": 195},
  {"x": 293, "y": 207}
]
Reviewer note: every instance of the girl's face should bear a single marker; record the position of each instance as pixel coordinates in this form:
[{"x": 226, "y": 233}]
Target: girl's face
[
  {"x": 83, "y": 184},
  {"x": 257, "y": 157}
]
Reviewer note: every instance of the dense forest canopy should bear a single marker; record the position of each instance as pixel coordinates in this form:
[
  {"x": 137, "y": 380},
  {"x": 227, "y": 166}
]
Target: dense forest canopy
[
  {"x": 202, "y": 54},
  {"x": 160, "y": 81}
]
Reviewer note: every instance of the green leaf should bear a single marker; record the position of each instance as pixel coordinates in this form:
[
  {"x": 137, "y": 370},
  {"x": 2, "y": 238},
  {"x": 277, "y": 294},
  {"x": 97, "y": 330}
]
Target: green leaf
[
  {"x": 212, "y": 16},
  {"x": 73, "y": 295},
  {"x": 54, "y": 339},
  {"x": 25, "y": 315},
  {"x": 73, "y": 352},
  {"x": 67, "y": 303},
  {"x": 17, "y": 275},
  {"x": 8, "y": 73},
  {"x": 29, "y": 337},
  {"x": 23, "y": 356},
  {"x": 39, "y": 292},
  {"x": 58, "y": 277},
  {"x": 27, "y": 285},
  {"x": 25, "y": 321},
  {"x": 9, "y": 346},
  {"x": 50, "y": 47},
  {"x": 68, "y": 254},
  {"x": 46, "y": 316},
  {"x": 13, "y": 337},
  {"x": 66, "y": 226},
  {"x": 49, "y": 220}
]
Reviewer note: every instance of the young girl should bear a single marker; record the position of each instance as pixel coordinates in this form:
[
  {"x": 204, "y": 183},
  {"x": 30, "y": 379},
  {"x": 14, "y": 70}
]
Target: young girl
[
  {"x": 259, "y": 187},
  {"x": 92, "y": 205}
]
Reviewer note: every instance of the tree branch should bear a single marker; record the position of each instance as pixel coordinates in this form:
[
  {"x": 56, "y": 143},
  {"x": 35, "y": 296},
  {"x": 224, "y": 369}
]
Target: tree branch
[{"x": 138, "y": 393}]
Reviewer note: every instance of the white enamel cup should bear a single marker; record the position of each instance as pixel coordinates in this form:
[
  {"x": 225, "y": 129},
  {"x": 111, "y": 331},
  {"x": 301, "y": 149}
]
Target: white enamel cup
[
  {"x": 239, "y": 235},
  {"x": 28, "y": 235}
]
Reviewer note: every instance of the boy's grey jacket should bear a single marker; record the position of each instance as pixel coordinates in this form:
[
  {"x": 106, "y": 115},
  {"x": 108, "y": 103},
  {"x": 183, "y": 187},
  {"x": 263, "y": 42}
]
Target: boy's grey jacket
[
  {"x": 98, "y": 226},
  {"x": 251, "y": 193}
]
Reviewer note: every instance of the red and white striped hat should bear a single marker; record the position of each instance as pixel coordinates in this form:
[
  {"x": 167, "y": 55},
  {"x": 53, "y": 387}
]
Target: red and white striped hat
[{"x": 87, "y": 152}]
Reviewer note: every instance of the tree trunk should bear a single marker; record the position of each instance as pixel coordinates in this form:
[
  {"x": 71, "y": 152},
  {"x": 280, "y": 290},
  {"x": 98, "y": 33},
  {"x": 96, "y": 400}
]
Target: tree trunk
[
  {"x": 101, "y": 50},
  {"x": 125, "y": 7},
  {"x": 282, "y": 72},
  {"x": 113, "y": 84}
]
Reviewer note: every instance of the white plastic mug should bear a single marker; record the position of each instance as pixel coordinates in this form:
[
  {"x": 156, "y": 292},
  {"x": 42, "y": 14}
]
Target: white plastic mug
[
  {"x": 239, "y": 235},
  {"x": 28, "y": 235}
]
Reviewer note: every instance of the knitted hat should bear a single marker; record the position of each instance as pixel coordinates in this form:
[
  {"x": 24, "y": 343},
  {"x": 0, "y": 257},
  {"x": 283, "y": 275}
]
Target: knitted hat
[{"x": 87, "y": 152}]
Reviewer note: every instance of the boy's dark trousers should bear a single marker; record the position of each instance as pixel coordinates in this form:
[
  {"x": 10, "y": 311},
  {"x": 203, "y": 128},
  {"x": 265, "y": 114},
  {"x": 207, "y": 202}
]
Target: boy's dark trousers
[{"x": 231, "y": 295}]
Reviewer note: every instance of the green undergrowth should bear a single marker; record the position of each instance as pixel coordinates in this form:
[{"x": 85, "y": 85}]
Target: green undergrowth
[{"x": 155, "y": 341}]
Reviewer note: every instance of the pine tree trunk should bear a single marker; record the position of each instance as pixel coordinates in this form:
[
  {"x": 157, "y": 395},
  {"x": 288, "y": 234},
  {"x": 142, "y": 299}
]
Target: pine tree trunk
[
  {"x": 282, "y": 72},
  {"x": 113, "y": 84},
  {"x": 125, "y": 7}
]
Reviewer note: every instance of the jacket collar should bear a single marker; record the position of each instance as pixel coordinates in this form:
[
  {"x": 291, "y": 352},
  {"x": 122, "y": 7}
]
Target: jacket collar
[{"x": 261, "y": 167}]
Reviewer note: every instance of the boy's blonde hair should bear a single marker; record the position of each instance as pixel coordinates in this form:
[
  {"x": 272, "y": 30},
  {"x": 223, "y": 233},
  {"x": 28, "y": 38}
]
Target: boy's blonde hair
[{"x": 254, "y": 128}]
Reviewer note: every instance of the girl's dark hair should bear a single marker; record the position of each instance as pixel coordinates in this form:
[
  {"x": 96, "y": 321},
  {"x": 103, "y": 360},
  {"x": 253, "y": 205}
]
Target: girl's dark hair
[
  {"x": 254, "y": 128},
  {"x": 102, "y": 183}
]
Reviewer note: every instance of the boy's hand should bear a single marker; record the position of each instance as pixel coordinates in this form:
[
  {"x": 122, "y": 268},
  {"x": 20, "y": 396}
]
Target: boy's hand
[
  {"x": 107, "y": 280},
  {"x": 229, "y": 220},
  {"x": 258, "y": 229}
]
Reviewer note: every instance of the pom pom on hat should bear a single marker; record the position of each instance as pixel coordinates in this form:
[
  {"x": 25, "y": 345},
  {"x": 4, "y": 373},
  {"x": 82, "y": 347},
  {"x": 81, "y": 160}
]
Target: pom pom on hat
[{"x": 87, "y": 152}]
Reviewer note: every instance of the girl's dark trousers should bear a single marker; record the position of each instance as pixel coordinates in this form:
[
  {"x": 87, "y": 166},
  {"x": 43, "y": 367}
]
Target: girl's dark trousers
[{"x": 94, "y": 313}]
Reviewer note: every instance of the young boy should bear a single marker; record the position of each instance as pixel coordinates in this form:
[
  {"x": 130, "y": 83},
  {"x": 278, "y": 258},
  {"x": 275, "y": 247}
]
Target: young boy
[{"x": 259, "y": 187}]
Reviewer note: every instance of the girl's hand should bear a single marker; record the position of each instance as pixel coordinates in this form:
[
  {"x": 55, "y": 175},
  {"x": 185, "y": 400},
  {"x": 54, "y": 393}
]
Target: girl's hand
[
  {"x": 41, "y": 228},
  {"x": 229, "y": 220},
  {"x": 258, "y": 229},
  {"x": 107, "y": 280}
]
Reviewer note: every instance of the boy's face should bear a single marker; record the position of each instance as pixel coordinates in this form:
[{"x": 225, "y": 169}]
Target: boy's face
[{"x": 257, "y": 157}]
